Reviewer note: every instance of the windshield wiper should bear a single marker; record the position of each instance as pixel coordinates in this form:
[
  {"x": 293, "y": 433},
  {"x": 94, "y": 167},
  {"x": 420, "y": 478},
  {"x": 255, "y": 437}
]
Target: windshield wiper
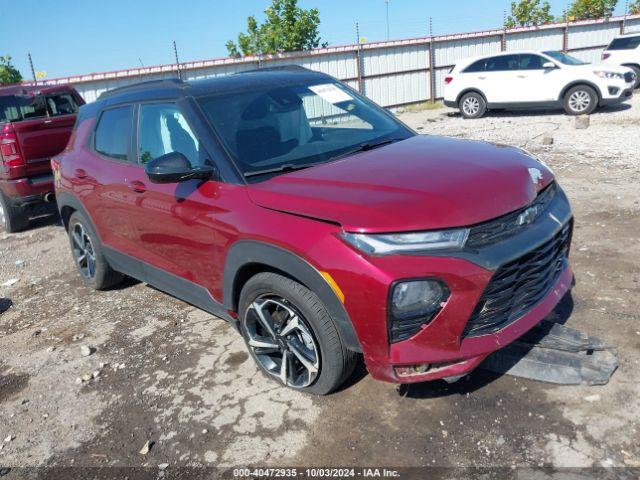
[
  {"x": 366, "y": 146},
  {"x": 287, "y": 167}
]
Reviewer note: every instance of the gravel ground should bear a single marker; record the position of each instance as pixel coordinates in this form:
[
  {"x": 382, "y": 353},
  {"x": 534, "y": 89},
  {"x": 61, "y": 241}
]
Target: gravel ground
[{"x": 163, "y": 372}]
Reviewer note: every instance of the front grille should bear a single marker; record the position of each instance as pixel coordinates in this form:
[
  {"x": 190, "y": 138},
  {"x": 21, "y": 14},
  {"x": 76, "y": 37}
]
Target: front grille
[
  {"x": 518, "y": 286},
  {"x": 507, "y": 225}
]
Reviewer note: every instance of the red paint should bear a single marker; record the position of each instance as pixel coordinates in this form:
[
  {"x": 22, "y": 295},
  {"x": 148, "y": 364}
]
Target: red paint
[
  {"x": 28, "y": 145},
  {"x": 417, "y": 184}
]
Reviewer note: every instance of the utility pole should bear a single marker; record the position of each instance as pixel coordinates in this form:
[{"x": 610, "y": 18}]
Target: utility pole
[
  {"x": 624, "y": 19},
  {"x": 33, "y": 71},
  {"x": 175, "y": 51},
  {"x": 387, "y": 2}
]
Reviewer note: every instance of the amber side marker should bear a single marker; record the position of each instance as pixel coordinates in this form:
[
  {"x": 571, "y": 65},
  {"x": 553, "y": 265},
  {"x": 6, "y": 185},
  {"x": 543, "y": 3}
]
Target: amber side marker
[{"x": 334, "y": 286}]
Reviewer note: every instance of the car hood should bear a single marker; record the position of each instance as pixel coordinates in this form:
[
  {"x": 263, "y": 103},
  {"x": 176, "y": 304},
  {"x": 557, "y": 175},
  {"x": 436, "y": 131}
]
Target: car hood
[
  {"x": 422, "y": 183},
  {"x": 593, "y": 67}
]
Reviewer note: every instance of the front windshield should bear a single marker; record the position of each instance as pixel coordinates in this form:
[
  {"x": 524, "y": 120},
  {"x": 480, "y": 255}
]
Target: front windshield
[
  {"x": 298, "y": 125},
  {"x": 564, "y": 58}
]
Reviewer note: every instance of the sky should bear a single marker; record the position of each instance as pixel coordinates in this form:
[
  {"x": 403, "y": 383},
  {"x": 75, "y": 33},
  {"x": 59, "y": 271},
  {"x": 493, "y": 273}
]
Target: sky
[{"x": 71, "y": 37}]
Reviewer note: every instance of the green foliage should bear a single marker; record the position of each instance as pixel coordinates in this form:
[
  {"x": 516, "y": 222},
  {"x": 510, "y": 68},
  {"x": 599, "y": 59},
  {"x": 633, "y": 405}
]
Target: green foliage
[
  {"x": 583, "y": 9},
  {"x": 286, "y": 28},
  {"x": 8, "y": 73},
  {"x": 529, "y": 12},
  {"x": 634, "y": 8}
]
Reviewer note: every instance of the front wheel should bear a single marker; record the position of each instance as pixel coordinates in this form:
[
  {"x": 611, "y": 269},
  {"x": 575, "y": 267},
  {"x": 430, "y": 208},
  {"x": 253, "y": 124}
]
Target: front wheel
[
  {"x": 291, "y": 336},
  {"x": 580, "y": 100},
  {"x": 472, "y": 105}
]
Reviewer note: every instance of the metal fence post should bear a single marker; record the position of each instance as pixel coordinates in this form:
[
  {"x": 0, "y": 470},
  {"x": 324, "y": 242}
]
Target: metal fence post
[
  {"x": 432, "y": 63},
  {"x": 359, "y": 61},
  {"x": 503, "y": 37}
]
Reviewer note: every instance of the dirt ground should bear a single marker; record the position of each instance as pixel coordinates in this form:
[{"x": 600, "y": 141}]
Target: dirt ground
[{"x": 165, "y": 373}]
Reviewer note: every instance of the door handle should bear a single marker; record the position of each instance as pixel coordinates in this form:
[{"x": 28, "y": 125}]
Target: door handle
[
  {"x": 522, "y": 76},
  {"x": 482, "y": 78},
  {"x": 80, "y": 173},
  {"x": 137, "y": 186}
]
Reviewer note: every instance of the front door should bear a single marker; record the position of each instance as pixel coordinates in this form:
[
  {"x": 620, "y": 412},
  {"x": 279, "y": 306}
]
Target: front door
[
  {"x": 177, "y": 224},
  {"x": 499, "y": 81}
]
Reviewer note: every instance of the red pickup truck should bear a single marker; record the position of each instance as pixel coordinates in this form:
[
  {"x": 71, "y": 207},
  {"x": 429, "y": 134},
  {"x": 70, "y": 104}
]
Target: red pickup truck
[{"x": 35, "y": 124}]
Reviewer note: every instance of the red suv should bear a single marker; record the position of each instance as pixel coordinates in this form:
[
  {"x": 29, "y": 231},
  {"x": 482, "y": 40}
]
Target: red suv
[
  {"x": 35, "y": 125},
  {"x": 316, "y": 223}
]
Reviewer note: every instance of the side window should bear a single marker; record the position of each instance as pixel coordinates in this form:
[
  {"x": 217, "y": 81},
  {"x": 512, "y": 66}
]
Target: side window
[
  {"x": 477, "y": 66},
  {"x": 625, "y": 43},
  {"x": 61, "y": 104},
  {"x": 163, "y": 129},
  {"x": 114, "y": 132},
  {"x": 531, "y": 62},
  {"x": 503, "y": 63}
]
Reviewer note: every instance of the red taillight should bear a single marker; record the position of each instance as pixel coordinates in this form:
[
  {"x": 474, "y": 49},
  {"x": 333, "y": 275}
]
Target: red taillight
[
  {"x": 9, "y": 149},
  {"x": 605, "y": 56},
  {"x": 448, "y": 80}
]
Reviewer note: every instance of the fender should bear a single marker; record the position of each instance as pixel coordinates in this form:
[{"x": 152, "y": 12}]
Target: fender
[
  {"x": 469, "y": 90},
  {"x": 580, "y": 82},
  {"x": 66, "y": 199},
  {"x": 250, "y": 252}
]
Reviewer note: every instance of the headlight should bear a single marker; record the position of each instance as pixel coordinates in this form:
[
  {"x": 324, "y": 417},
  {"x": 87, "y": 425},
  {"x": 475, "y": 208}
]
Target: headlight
[
  {"x": 414, "y": 303},
  {"x": 390, "y": 243},
  {"x": 605, "y": 74}
]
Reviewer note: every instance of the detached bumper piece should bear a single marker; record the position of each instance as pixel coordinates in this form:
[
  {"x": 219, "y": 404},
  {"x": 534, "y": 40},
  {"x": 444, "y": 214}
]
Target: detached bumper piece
[{"x": 553, "y": 353}]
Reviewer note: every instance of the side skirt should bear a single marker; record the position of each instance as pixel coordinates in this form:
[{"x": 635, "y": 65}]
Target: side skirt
[{"x": 182, "y": 289}]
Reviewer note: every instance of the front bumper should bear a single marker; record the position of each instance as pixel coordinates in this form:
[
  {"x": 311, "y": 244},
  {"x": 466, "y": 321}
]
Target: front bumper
[
  {"x": 626, "y": 94},
  {"x": 441, "y": 342}
]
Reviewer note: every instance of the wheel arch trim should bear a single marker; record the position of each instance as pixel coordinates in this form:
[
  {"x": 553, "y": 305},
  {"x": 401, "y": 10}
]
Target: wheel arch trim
[
  {"x": 577, "y": 83},
  {"x": 245, "y": 253}
]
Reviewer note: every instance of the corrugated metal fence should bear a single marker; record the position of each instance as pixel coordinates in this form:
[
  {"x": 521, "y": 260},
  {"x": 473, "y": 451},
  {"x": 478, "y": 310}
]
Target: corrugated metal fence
[{"x": 391, "y": 73}]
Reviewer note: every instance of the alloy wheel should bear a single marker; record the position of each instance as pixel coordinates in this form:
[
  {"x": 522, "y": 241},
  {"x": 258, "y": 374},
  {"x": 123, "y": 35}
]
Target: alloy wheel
[
  {"x": 83, "y": 251},
  {"x": 580, "y": 101},
  {"x": 282, "y": 341},
  {"x": 471, "y": 106}
]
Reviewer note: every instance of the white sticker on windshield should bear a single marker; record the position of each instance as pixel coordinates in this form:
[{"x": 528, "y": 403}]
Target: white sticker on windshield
[{"x": 331, "y": 93}]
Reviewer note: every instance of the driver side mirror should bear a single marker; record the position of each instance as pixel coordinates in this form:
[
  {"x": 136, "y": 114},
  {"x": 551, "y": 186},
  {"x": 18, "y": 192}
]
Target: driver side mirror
[
  {"x": 549, "y": 65},
  {"x": 174, "y": 168}
]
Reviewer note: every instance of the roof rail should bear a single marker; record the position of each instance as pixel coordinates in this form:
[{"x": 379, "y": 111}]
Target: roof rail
[
  {"x": 276, "y": 69},
  {"x": 167, "y": 82}
]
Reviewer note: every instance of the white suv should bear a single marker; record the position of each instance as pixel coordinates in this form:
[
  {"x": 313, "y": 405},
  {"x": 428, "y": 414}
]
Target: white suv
[
  {"x": 534, "y": 80},
  {"x": 624, "y": 50}
]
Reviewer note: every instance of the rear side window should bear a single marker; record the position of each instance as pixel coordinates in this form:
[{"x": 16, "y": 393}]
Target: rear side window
[
  {"x": 14, "y": 108},
  {"x": 114, "y": 132},
  {"x": 625, "y": 43},
  {"x": 503, "y": 63},
  {"x": 477, "y": 66},
  {"x": 61, "y": 104}
]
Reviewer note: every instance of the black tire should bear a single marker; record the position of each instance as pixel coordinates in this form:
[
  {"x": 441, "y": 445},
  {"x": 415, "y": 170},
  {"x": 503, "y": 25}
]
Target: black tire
[
  {"x": 580, "y": 100},
  {"x": 334, "y": 363},
  {"x": 636, "y": 70},
  {"x": 472, "y": 105},
  {"x": 12, "y": 218},
  {"x": 82, "y": 235}
]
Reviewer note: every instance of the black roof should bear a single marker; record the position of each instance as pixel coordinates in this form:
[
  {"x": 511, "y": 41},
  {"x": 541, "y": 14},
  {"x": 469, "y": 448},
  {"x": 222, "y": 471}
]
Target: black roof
[{"x": 174, "y": 88}]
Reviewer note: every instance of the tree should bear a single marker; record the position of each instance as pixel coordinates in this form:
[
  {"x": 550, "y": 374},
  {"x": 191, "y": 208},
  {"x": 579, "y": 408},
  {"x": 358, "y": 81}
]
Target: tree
[
  {"x": 529, "y": 12},
  {"x": 286, "y": 28},
  {"x": 584, "y": 9},
  {"x": 8, "y": 73},
  {"x": 634, "y": 8}
]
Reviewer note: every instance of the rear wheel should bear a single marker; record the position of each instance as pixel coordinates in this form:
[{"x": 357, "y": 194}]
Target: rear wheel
[
  {"x": 87, "y": 253},
  {"x": 291, "y": 336},
  {"x": 12, "y": 218},
  {"x": 472, "y": 105},
  {"x": 580, "y": 100}
]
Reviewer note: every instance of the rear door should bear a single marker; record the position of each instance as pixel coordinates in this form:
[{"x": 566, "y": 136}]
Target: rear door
[
  {"x": 103, "y": 178},
  {"x": 500, "y": 79}
]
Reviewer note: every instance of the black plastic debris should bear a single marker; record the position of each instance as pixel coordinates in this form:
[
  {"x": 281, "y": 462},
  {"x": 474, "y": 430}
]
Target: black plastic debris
[{"x": 553, "y": 353}]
